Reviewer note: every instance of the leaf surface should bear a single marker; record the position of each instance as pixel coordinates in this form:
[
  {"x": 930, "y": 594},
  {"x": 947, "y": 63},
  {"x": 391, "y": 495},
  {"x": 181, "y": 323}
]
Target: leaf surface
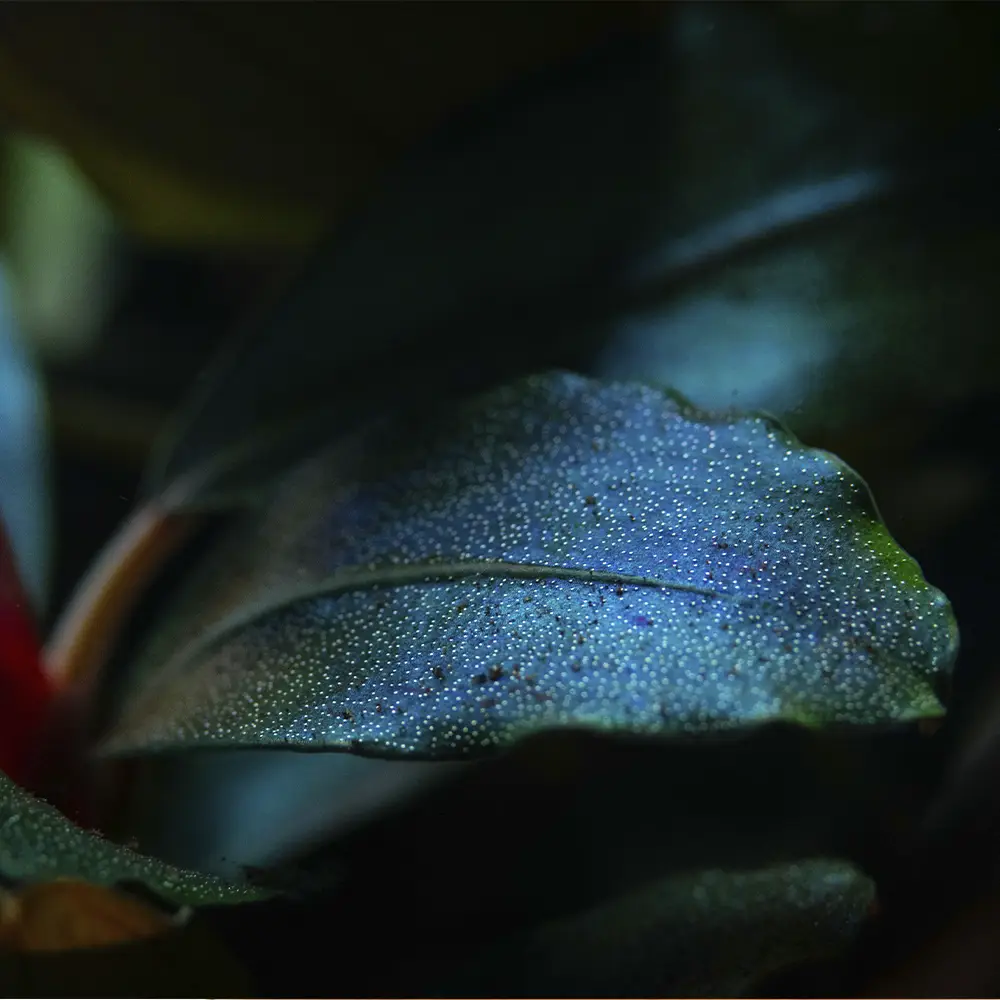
[
  {"x": 39, "y": 844},
  {"x": 557, "y": 552},
  {"x": 707, "y": 933}
]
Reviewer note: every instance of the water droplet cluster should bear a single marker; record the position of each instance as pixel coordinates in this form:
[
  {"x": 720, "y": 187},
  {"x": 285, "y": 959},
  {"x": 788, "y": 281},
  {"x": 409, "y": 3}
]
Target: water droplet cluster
[{"x": 746, "y": 578}]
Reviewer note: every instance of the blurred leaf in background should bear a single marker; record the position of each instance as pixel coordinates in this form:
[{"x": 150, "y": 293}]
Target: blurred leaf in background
[
  {"x": 261, "y": 124},
  {"x": 58, "y": 242},
  {"x": 24, "y": 458}
]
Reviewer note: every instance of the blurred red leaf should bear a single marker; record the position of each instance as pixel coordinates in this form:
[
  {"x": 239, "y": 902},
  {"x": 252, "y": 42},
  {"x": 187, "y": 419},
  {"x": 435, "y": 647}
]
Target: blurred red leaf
[{"x": 25, "y": 692}]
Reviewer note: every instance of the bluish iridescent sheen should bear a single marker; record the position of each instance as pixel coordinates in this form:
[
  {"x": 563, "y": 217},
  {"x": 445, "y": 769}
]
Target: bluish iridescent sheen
[{"x": 380, "y": 601}]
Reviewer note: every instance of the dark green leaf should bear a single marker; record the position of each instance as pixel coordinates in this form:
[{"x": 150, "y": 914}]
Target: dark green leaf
[
  {"x": 558, "y": 552},
  {"x": 38, "y": 843},
  {"x": 707, "y": 933},
  {"x": 468, "y": 222}
]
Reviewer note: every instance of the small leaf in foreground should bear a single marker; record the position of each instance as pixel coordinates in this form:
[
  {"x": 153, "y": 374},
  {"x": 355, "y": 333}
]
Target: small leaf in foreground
[
  {"x": 558, "y": 552},
  {"x": 39, "y": 844}
]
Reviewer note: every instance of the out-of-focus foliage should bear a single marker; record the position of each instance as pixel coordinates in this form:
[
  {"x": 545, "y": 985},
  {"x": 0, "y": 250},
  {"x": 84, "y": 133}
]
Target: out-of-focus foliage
[
  {"x": 934, "y": 62},
  {"x": 648, "y": 215},
  {"x": 26, "y": 691},
  {"x": 57, "y": 242},
  {"x": 707, "y": 934},
  {"x": 240, "y": 125},
  {"x": 275, "y": 119},
  {"x": 24, "y": 470},
  {"x": 68, "y": 913},
  {"x": 570, "y": 829}
]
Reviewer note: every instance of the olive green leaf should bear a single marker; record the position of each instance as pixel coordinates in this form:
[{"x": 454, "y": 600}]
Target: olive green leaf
[
  {"x": 557, "y": 552},
  {"x": 467, "y": 234},
  {"x": 298, "y": 108},
  {"x": 707, "y": 933},
  {"x": 38, "y": 843}
]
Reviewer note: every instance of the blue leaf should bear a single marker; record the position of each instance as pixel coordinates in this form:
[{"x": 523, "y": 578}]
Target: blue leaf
[{"x": 557, "y": 552}]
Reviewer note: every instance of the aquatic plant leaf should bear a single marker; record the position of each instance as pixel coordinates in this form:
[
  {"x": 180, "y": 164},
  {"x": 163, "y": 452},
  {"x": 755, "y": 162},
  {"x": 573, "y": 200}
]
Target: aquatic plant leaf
[
  {"x": 706, "y": 933},
  {"x": 24, "y": 475},
  {"x": 613, "y": 813},
  {"x": 39, "y": 844},
  {"x": 559, "y": 551},
  {"x": 648, "y": 174},
  {"x": 412, "y": 274},
  {"x": 338, "y": 92}
]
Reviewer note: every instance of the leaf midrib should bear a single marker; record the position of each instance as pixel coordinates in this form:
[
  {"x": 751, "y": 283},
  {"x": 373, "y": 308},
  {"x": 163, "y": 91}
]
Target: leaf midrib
[{"x": 402, "y": 574}]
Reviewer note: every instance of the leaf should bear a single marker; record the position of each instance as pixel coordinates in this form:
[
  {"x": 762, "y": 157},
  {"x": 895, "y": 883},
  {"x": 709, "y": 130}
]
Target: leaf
[
  {"x": 39, "y": 844},
  {"x": 25, "y": 690},
  {"x": 412, "y": 275},
  {"x": 298, "y": 108},
  {"x": 558, "y": 552},
  {"x": 24, "y": 487},
  {"x": 67, "y": 913},
  {"x": 673, "y": 222},
  {"x": 610, "y": 814},
  {"x": 707, "y": 933}
]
